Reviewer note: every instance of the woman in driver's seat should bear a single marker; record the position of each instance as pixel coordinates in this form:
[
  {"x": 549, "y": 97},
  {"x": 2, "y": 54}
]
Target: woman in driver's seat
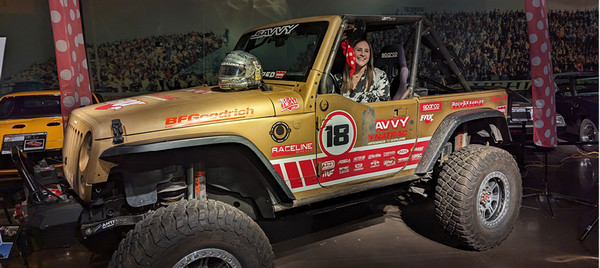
[{"x": 362, "y": 82}]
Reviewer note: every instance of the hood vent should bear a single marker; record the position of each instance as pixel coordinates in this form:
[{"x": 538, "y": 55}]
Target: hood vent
[
  {"x": 53, "y": 124},
  {"x": 19, "y": 126}
]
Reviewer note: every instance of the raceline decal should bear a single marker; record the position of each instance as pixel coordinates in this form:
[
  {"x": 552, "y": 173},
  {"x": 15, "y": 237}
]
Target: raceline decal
[
  {"x": 291, "y": 149},
  {"x": 426, "y": 118},
  {"x": 300, "y": 175},
  {"x": 277, "y": 74},
  {"x": 286, "y": 29},
  {"x": 337, "y": 134},
  {"x": 160, "y": 97},
  {"x": 502, "y": 109},
  {"x": 118, "y": 104},
  {"x": 467, "y": 104},
  {"x": 289, "y": 104},
  {"x": 431, "y": 107},
  {"x": 194, "y": 119},
  {"x": 197, "y": 91},
  {"x": 501, "y": 98}
]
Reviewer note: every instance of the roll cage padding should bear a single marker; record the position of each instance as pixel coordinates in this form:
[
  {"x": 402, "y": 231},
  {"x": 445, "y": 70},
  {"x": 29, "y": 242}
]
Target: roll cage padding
[
  {"x": 117, "y": 153},
  {"x": 446, "y": 129}
]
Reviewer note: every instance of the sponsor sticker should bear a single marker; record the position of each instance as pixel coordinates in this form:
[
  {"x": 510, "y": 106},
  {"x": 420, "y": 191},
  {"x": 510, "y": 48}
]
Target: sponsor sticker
[
  {"x": 343, "y": 170},
  {"x": 388, "y": 135},
  {"x": 327, "y": 165},
  {"x": 286, "y": 29},
  {"x": 467, "y": 104},
  {"x": 344, "y": 161},
  {"x": 389, "y": 162},
  {"x": 291, "y": 149},
  {"x": 389, "y": 55},
  {"x": 426, "y": 118},
  {"x": 384, "y": 125},
  {"x": 197, "y": 91},
  {"x": 500, "y": 98},
  {"x": 403, "y": 151},
  {"x": 193, "y": 119},
  {"x": 160, "y": 97},
  {"x": 431, "y": 107},
  {"x": 358, "y": 167},
  {"x": 119, "y": 104},
  {"x": 289, "y": 104},
  {"x": 502, "y": 109},
  {"x": 359, "y": 158}
]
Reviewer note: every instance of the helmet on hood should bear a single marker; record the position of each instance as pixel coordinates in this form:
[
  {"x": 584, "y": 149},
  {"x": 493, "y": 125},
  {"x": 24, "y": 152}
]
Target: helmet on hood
[{"x": 240, "y": 70}]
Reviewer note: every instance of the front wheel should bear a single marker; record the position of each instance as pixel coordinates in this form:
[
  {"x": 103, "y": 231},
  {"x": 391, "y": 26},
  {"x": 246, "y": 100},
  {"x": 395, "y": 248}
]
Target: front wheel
[
  {"x": 588, "y": 132},
  {"x": 478, "y": 196},
  {"x": 195, "y": 233}
]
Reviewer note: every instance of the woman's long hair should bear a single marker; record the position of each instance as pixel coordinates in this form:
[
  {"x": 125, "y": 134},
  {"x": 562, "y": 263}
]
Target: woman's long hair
[{"x": 347, "y": 80}]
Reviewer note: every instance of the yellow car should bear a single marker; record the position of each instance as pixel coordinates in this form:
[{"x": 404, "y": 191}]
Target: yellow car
[{"x": 32, "y": 121}]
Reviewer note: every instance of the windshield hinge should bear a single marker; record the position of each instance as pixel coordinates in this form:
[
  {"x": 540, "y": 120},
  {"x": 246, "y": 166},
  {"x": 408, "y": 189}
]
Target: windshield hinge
[{"x": 117, "y": 129}]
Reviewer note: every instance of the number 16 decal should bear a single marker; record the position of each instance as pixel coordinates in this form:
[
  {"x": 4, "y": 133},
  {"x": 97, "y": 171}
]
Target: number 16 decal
[{"x": 337, "y": 134}]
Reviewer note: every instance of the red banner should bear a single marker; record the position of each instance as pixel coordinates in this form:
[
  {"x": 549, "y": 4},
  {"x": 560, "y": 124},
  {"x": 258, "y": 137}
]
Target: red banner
[
  {"x": 71, "y": 61},
  {"x": 542, "y": 80}
]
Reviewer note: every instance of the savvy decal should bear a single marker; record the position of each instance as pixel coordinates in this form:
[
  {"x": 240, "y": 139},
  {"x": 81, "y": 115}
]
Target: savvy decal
[
  {"x": 292, "y": 149},
  {"x": 193, "y": 119},
  {"x": 384, "y": 125},
  {"x": 431, "y": 107},
  {"x": 286, "y": 29},
  {"x": 289, "y": 104},
  {"x": 118, "y": 104},
  {"x": 467, "y": 103}
]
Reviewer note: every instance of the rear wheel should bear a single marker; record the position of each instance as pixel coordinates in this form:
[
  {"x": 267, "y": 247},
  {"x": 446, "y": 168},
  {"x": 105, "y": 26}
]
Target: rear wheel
[
  {"x": 588, "y": 132},
  {"x": 195, "y": 233},
  {"x": 478, "y": 196}
]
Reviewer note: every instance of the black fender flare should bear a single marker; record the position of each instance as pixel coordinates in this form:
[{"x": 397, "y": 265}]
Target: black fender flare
[
  {"x": 447, "y": 127},
  {"x": 283, "y": 193}
]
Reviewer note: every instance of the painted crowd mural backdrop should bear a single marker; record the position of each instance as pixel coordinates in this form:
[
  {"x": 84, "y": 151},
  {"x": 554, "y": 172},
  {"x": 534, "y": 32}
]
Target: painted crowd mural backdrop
[{"x": 178, "y": 44}]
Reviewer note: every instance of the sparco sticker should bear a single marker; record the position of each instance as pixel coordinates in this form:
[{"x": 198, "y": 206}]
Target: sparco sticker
[
  {"x": 286, "y": 29},
  {"x": 337, "y": 134},
  {"x": 118, "y": 104},
  {"x": 431, "y": 107}
]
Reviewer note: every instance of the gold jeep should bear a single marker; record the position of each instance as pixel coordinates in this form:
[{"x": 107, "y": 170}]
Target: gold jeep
[{"x": 192, "y": 169}]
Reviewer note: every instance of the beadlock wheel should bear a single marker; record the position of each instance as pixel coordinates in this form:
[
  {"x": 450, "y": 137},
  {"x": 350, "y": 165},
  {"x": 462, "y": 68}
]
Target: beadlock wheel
[
  {"x": 478, "y": 196},
  {"x": 494, "y": 197}
]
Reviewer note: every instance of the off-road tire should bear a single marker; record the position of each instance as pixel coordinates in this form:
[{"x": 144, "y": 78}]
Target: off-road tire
[
  {"x": 465, "y": 199},
  {"x": 588, "y": 132},
  {"x": 195, "y": 231}
]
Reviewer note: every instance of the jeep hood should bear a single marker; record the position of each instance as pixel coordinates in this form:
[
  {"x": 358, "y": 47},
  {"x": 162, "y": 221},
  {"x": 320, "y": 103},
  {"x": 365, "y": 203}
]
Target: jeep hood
[{"x": 174, "y": 109}]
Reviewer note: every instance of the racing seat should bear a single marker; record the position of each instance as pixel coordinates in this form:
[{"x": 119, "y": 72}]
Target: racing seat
[{"x": 392, "y": 61}]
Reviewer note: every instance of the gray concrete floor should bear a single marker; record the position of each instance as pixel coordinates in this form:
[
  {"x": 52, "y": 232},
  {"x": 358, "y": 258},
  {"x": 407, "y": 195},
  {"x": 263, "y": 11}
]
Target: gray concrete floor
[{"x": 400, "y": 230}]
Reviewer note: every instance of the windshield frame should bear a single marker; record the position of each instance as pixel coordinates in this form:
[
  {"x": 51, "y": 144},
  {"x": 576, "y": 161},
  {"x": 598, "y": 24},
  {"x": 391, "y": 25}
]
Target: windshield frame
[{"x": 256, "y": 38}]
